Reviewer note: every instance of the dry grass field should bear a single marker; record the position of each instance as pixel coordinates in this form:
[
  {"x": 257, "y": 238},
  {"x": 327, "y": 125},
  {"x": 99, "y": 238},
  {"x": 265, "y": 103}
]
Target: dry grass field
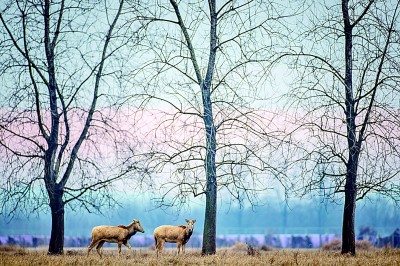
[{"x": 236, "y": 255}]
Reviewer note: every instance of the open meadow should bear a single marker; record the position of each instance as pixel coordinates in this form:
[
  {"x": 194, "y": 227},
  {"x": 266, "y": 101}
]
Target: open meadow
[{"x": 236, "y": 255}]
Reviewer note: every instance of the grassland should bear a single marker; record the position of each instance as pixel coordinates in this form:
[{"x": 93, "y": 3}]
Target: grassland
[{"x": 229, "y": 256}]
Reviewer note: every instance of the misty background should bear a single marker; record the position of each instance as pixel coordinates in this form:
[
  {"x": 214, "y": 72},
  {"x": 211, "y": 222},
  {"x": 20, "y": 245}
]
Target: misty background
[{"x": 277, "y": 216}]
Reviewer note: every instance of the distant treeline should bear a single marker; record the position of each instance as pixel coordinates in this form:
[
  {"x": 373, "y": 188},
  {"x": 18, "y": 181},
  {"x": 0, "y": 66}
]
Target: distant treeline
[
  {"x": 275, "y": 217},
  {"x": 259, "y": 240}
]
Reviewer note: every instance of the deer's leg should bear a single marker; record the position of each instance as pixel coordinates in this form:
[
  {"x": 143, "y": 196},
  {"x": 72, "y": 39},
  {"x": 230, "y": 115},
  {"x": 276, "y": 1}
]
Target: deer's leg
[
  {"x": 159, "y": 246},
  {"x": 126, "y": 243},
  {"x": 91, "y": 246},
  {"x": 99, "y": 247},
  {"x": 119, "y": 247}
]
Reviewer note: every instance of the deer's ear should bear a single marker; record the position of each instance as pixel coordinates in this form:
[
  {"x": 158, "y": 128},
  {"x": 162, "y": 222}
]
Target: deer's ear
[
  {"x": 194, "y": 221},
  {"x": 187, "y": 220}
]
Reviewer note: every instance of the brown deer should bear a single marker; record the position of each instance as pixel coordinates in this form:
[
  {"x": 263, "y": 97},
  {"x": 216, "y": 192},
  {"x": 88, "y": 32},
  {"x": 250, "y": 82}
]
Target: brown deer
[
  {"x": 173, "y": 234},
  {"x": 116, "y": 234}
]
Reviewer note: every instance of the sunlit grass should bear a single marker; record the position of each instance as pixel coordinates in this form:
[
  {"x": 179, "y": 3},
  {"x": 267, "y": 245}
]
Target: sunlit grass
[{"x": 228, "y": 256}]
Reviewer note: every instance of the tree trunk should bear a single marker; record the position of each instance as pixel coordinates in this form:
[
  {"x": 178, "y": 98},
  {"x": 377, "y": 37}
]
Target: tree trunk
[
  {"x": 210, "y": 219},
  {"x": 348, "y": 234},
  {"x": 56, "y": 246},
  {"x": 209, "y": 233}
]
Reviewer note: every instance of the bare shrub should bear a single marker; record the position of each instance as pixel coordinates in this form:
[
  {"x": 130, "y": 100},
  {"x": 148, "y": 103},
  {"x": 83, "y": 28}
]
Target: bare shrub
[
  {"x": 363, "y": 245},
  {"x": 239, "y": 248},
  {"x": 12, "y": 249},
  {"x": 73, "y": 253},
  {"x": 266, "y": 248},
  {"x": 336, "y": 245},
  {"x": 252, "y": 251}
]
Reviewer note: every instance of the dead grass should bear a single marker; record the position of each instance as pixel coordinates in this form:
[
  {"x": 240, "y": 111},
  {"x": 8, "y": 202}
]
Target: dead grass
[
  {"x": 336, "y": 245},
  {"x": 236, "y": 255},
  {"x": 12, "y": 249}
]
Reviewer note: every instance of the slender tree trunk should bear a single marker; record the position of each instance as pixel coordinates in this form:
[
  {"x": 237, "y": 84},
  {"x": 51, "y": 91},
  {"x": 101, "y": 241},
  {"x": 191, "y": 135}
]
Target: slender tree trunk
[
  {"x": 210, "y": 219},
  {"x": 56, "y": 246}
]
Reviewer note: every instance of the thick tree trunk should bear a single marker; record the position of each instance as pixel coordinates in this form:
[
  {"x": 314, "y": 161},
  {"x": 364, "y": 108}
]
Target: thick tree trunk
[
  {"x": 56, "y": 246},
  {"x": 348, "y": 234}
]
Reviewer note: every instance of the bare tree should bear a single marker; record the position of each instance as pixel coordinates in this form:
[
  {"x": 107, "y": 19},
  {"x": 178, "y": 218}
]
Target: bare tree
[
  {"x": 345, "y": 103},
  {"x": 57, "y": 127},
  {"x": 203, "y": 86}
]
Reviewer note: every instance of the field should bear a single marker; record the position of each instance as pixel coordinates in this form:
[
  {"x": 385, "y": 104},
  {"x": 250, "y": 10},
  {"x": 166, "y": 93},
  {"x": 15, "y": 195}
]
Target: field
[{"x": 236, "y": 255}]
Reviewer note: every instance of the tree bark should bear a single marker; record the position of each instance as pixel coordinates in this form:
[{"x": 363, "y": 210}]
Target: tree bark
[
  {"x": 210, "y": 221},
  {"x": 348, "y": 235},
  {"x": 56, "y": 245},
  {"x": 210, "y": 218}
]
